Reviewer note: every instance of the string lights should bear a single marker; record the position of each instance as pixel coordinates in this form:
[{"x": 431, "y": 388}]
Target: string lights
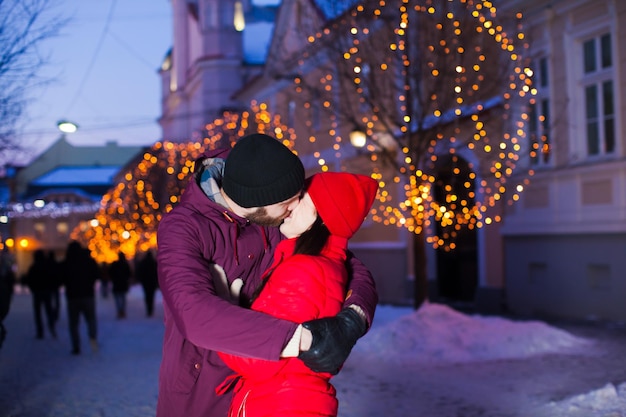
[
  {"x": 450, "y": 85},
  {"x": 443, "y": 79},
  {"x": 129, "y": 213}
]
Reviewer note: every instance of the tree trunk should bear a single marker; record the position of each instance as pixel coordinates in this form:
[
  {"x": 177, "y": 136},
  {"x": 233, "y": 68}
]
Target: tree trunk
[{"x": 420, "y": 292}]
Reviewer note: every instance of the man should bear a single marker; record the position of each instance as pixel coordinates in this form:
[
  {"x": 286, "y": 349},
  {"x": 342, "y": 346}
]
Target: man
[
  {"x": 213, "y": 248},
  {"x": 80, "y": 272},
  {"x": 7, "y": 280}
]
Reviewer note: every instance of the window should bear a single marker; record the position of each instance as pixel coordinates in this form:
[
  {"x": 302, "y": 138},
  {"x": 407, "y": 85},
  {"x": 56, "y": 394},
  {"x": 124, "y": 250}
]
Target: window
[
  {"x": 62, "y": 229},
  {"x": 239, "y": 21},
  {"x": 315, "y": 115},
  {"x": 211, "y": 15},
  {"x": 599, "y": 95},
  {"x": 291, "y": 114},
  {"x": 539, "y": 116},
  {"x": 366, "y": 79},
  {"x": 40, "y": 230}
]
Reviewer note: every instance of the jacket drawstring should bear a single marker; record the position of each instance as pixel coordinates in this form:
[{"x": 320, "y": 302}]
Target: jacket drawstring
[
  {"x": 266, "y": 245},
  {"x": 232, "y": 381},
  {"x": 236, "y": 238}
]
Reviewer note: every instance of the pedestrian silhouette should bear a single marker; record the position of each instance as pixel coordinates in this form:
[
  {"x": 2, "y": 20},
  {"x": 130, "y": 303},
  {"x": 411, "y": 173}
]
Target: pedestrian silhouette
[
  {"x": 79, "y": 273},
  {"x": 147, "y": 276},
  {"x": 55, "y": 285},
  {"x": 120, "y": 272},
  {"x": 105, "y": 280},
  {"x": 40, "y": 283},
  {"x": 7, "y": 279}
]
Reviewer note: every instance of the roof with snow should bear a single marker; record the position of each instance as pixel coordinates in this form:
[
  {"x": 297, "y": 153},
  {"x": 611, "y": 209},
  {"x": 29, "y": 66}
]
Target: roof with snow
[
  {"x": 334, "y": 8},
  {"x": 256, "y": 41},
  {"x": 77, "y": 176},
  {"x": 257, "y": 34},
  {"x": 260, "y": 19}
]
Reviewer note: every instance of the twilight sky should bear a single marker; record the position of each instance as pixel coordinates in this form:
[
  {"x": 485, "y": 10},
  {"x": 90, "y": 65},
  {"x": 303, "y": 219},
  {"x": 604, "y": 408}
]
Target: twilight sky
[{"x": 104, "y": 67}]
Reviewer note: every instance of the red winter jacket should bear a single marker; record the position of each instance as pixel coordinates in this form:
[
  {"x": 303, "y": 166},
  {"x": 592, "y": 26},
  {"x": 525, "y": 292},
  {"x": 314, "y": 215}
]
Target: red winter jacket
[{"x": 298, "y": 288}]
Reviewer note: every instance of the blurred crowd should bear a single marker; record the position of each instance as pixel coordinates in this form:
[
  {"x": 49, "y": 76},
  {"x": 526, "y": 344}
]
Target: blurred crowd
[{"x": 76, "y": 277}]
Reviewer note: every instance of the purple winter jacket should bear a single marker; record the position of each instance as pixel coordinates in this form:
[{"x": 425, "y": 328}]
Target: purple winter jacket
[{"x": 199, "y": 232}]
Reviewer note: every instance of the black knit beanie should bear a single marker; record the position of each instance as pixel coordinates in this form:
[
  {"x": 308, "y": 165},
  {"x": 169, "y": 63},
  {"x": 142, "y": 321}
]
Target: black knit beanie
[{"x": 260, "y": 171}]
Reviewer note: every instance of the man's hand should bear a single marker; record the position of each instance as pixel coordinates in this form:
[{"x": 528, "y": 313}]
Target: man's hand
[
  {"x": 333, "y": 339},
  {"x": 229, "y": 292}
]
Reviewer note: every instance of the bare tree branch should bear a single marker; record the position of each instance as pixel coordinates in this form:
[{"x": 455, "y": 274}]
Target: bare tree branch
[{"x": 24, "y": 25}]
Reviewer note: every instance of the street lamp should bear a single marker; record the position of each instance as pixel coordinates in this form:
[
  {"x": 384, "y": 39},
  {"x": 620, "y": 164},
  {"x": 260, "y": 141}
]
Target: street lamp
[
  {"x": 377, "y": 141},
  {"x": 358, "y": 139},
  {"x": 66, "y": 126}
]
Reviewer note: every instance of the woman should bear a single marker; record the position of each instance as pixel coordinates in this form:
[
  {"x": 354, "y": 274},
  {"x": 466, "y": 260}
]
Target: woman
[{"x": 307, "y": 280}]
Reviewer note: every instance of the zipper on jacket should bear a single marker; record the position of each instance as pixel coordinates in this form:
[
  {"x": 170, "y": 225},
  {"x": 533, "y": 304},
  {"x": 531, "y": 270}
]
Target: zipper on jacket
[
  {"x": 236, "y": 234},
  {"x": 266, "y": 245}
]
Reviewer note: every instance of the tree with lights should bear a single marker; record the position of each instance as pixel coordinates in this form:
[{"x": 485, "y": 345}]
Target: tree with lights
[
  {"x": 149, "y": 187},
  {"x": 439, "y": 88}
]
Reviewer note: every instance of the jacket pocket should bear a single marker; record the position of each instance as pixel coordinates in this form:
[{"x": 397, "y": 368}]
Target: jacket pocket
[{"x": 187, "y": 370}]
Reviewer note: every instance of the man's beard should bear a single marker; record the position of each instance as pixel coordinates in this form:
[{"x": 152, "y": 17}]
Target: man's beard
[{"x": 260, "y": 217}]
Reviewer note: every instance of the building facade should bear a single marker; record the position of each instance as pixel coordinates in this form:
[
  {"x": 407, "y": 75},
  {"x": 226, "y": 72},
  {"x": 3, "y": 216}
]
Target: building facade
[
  {"x": 565, "y": 242},
  {"x": 388, "y": 251},
  {"x": 559, "y": 250},
  {"x": 218, "y": 46}
]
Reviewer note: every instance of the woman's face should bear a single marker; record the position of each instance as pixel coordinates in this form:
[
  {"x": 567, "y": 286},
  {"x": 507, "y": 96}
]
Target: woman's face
[{"x": 301, "y": 218}]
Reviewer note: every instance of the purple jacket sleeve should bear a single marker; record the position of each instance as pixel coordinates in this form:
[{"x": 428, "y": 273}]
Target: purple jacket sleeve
[
  {"x": 197, "y": 312},
  {"x": 362, "y": 288}
]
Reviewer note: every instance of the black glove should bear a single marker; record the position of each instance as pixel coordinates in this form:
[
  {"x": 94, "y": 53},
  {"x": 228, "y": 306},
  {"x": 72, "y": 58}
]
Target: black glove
[{"x": 333, "y": 339}]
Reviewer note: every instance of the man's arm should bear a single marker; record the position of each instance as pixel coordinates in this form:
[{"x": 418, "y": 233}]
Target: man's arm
[
  {"x": 362, "y": 293},
  {"x": 290, "y": 294},
  {"x": 199, "y": 314},
  {"x": 326, "y": 343}
]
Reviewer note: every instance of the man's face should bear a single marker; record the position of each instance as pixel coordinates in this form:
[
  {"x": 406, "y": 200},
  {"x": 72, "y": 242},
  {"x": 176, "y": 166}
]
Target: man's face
[{"x": 274, "y": 214}]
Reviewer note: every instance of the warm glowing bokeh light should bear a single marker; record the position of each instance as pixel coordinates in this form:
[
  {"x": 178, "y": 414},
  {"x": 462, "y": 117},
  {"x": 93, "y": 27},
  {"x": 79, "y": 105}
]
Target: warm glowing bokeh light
[
  {"x": 130, "y": 212},
  {"x": 466, "y": 63}
]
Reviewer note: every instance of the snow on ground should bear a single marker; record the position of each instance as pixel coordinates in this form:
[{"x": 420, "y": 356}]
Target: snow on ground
[
  {"x": 439, "y": 362},
  {"x": 434, "y": 362},
  {"x": 436, "y": 333}
]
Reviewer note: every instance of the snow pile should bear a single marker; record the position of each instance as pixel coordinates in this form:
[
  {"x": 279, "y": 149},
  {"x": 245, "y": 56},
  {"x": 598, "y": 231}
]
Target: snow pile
[
  {"x": 438, "y": 334},
  {"x": 609, "y": 400}
]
